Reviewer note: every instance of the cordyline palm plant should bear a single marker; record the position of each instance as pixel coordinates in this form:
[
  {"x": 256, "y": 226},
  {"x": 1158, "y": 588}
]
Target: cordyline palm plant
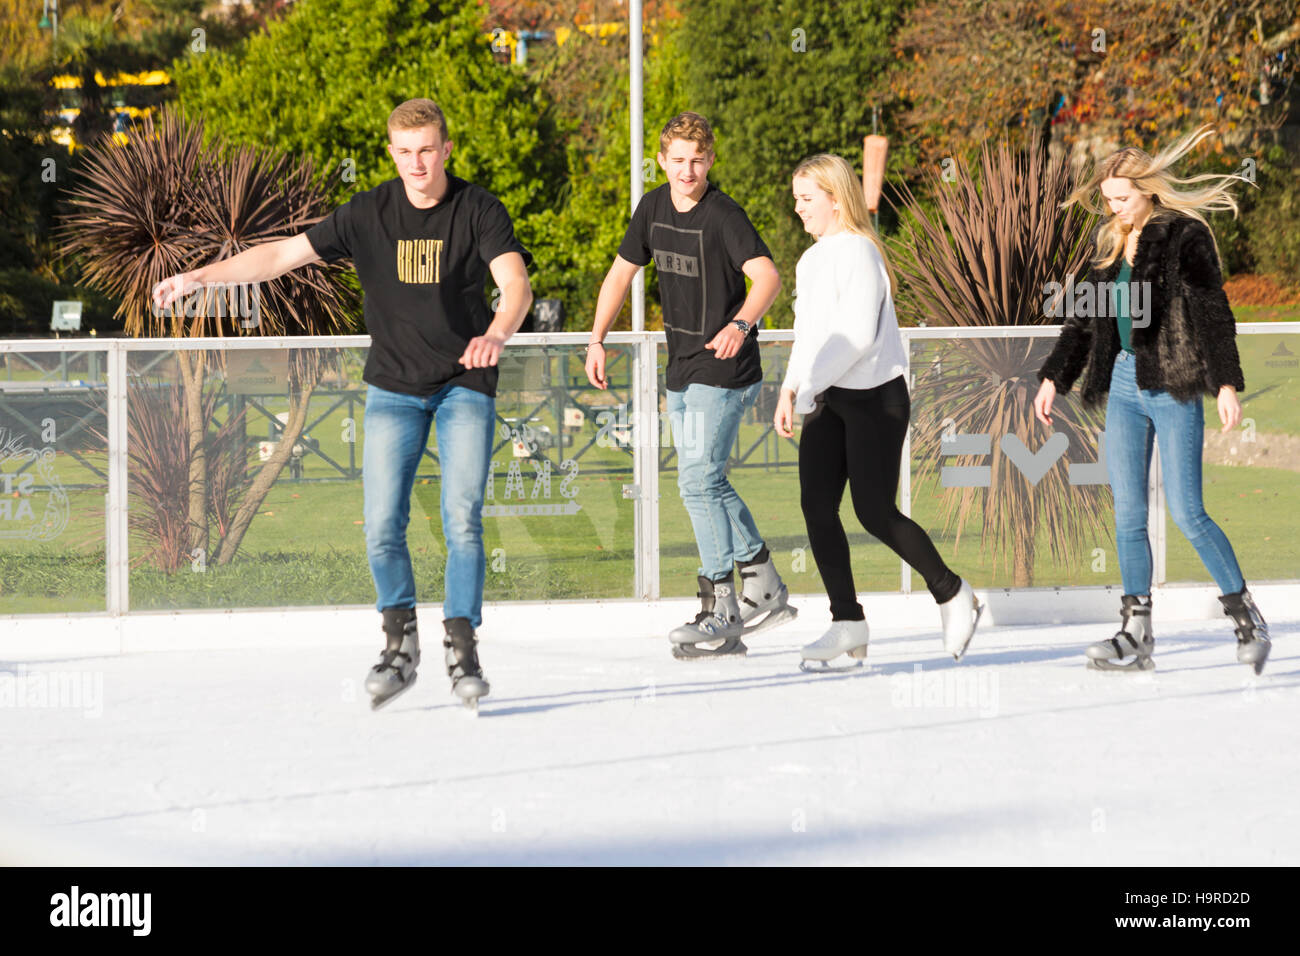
[
  {"x": 156, "y": 447},
  {"x": 170, "y": 201},
  {"x": 985, "y": 258}
]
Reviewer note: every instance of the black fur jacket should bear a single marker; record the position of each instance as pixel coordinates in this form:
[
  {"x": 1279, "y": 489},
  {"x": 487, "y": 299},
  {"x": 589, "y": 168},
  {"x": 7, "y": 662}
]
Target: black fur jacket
[{"x": 1186, "y": 353}]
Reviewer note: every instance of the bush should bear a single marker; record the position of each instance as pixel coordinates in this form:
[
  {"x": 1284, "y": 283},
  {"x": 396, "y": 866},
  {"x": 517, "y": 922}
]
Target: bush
[{"x": 27, "y": 298}]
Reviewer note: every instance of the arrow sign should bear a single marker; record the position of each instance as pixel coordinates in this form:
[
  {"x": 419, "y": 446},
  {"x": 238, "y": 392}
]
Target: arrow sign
[{"x": 1034, "y": 465}]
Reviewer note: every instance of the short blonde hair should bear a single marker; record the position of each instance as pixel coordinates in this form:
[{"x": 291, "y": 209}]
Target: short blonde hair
[
  {"x": 691, "y": 127},
  {"x": 414, "y": 114}
]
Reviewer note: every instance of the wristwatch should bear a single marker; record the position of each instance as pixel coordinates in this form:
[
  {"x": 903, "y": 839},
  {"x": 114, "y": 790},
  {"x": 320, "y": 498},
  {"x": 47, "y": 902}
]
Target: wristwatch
[{"x": 742, "y": 325}]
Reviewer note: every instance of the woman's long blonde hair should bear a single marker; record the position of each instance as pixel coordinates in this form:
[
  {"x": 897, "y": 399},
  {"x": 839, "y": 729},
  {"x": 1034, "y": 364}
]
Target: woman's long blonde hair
[
  {"x": 1153, "y": 177},
  {"x": 834, "y": 176}
]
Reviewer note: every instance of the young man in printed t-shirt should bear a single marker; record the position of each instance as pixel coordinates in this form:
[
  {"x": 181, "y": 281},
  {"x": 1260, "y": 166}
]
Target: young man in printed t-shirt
[
  {"x": 703, "y": 246},
  {"x": 423, "y": 245}
]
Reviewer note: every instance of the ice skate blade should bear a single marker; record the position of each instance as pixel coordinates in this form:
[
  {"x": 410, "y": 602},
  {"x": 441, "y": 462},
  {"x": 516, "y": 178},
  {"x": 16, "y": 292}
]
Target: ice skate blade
[
  {"x": 774, "y": 618},
  {"x": 1138, "y": 665},
  {"x": 692, "y": 652},
  {"x": 1264, "y": 647},
  {"x": 824, "y": 667},
  {"x": 378, "y": 703},
  {"x": 470, "y": 689},
  {"x": 695, "y": 637},
  {"x": 979, "y": 610},
  {"x": 1258, "y": 665}
]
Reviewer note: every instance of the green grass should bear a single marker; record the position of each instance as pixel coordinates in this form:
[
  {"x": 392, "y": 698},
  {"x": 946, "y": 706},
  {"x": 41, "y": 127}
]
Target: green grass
[
  {"x": 1272, "y": 384},
  {"x": 308, "y": 550},
  {"x": 1266, "y": 313}
]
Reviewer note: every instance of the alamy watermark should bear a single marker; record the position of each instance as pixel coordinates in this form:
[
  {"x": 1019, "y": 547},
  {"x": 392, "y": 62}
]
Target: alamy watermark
[
  {"x": 54, "y": 690},
  {"x": 964, "y": 688},
  {"x": 217, "y": 300},
  {"x": 77, "y": 908},
  {"x": 1098, "y": 299}
]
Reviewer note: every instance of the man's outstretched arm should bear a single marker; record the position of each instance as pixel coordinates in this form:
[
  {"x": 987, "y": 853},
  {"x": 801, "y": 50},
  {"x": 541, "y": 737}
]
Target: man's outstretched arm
[{"x": 261, "y": 263}]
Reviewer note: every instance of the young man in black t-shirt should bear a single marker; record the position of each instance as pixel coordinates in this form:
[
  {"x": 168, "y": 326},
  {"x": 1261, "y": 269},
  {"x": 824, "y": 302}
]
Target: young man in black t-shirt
[
  {"x": 703, "y": 246},
  {"x": 423, "y": 245}
]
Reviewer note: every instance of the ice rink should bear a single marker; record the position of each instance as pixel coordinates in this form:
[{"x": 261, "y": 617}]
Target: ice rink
[{"x": 596, "y": 747}]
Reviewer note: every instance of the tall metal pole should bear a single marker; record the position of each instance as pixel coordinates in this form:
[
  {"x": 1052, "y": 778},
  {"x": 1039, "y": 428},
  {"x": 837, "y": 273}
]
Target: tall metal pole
[{"x": 637, "y": 150}]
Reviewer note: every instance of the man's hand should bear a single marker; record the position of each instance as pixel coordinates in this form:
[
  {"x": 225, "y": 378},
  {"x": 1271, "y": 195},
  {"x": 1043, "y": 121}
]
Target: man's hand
[
  {"x": 1229, "y": 408},
  {"x": 727, "y": 342},
  {"x": 596, "y": 366},
  {"x": 171, "y": 289},
  {"x": 482, "y": 351}
]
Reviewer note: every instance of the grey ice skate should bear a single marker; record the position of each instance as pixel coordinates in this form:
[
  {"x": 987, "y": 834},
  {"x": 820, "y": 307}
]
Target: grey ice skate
[
  {"x": 1253, "y": 644},
  {"x": 717, "y": 628},
  {"x": 463, "y": 668},
  {"x": 395, "y": 673},
  {"x": 1131, "y": 647},
  {"x": 764, "y": 598}
]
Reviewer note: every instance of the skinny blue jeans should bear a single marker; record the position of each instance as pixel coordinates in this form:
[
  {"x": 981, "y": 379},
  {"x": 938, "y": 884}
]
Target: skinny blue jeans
[
  {"x": 396, "y": 433},
  {"x": 705, "y": 421},
  {"x": 1135, "y": 419}
]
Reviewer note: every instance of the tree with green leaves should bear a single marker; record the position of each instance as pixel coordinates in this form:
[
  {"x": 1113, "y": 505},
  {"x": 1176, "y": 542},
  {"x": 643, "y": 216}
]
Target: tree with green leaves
[
  {"x": 584, "y": 230},
  {"x": 779, "y": 82},
  {"x": 321, "y": 82}
]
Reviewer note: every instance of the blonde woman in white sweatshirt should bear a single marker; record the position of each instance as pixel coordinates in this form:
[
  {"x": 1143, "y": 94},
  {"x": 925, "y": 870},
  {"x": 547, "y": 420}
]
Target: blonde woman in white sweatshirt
[{"x": 847, "y": 377}]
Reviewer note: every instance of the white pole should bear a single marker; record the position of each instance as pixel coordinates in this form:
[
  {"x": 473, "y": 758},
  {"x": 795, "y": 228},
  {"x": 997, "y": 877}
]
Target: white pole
[{"x": 638, "y": 147}]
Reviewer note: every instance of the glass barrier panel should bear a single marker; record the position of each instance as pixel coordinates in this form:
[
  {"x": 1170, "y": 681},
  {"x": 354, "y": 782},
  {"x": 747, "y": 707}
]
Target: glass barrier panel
[
  {"x": 1251, "y": 475},
  {"x": 267, "y": 511},
  {"x": 283, "y": 523},
  {"x": 764, "y": 470},
  {"x": 1008, "y": 502},
  {"x": 53, "y": 482},
  {"x": 556, "y": 524}
]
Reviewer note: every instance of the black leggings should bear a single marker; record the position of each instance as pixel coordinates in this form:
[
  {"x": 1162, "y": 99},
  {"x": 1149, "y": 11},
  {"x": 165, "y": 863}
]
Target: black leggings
[{"x": 856, "y": 435}]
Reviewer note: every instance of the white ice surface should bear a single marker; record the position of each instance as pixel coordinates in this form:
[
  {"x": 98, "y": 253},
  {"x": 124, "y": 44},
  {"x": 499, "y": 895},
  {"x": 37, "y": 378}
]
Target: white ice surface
[{"x": 601, "y": 749}]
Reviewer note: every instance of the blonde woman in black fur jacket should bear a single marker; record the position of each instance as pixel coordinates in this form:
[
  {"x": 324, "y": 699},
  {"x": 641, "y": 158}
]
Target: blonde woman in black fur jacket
[{"x": 1161, "y": 336}]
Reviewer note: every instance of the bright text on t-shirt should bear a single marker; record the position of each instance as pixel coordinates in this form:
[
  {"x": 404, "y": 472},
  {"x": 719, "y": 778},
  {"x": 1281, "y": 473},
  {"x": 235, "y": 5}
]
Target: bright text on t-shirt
[{"x": 419, "y": 260}]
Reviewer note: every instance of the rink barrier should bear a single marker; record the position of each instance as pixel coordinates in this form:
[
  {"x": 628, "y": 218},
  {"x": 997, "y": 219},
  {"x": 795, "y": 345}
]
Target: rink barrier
[
  {"x": 913, "y": 617},
  {"x": 645, "y": 490}
]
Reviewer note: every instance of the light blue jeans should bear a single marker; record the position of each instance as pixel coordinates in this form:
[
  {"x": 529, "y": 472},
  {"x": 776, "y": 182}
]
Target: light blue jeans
[
  {"x": 396, "y": 433},
  {"x": 1135, "y": 418},
  {"x": 705, "y": 421}
]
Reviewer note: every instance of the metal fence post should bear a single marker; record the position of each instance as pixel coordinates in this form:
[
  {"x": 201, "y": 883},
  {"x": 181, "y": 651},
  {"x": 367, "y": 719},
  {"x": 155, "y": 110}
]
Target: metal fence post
[
  {"x": 645, "y": 466},
  {"x": 1156, "y": 526},
  {"x": 116, "y": 557},
  {"x": 905, "y": 465}
]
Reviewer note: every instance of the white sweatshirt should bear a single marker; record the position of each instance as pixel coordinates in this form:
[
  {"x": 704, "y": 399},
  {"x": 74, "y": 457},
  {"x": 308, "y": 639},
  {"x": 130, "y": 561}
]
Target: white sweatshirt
[{"x": 845, "y": 330}]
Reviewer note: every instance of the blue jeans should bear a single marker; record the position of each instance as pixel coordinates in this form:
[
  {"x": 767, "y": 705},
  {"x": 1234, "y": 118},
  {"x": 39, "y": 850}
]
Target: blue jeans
[
  {"x": 1134, "y": 419},
  {"x": 396, "y": 432},
  {"x": 705, "y": 421}
]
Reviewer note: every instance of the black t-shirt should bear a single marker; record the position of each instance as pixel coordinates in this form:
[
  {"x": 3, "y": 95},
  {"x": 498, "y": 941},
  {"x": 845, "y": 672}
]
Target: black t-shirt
[
  {"x": 698, "y": 255},
  {"x": 423, "y": 273}
]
